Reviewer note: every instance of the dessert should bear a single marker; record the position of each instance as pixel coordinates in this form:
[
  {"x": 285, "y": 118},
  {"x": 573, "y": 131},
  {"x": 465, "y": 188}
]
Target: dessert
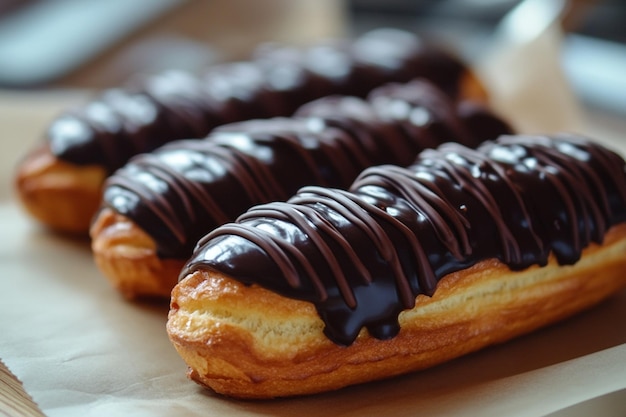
[
  {"x": 60, "y": 182},
  {"x": 409, "y": 268},
  {"x": 157, "y": 206}
]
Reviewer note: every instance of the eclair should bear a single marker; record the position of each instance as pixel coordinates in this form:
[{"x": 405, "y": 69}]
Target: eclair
[
  {"x": 60, "y": 182},
  {"x": 409, "y": 268},
  {"x": 157, "y": 206}
]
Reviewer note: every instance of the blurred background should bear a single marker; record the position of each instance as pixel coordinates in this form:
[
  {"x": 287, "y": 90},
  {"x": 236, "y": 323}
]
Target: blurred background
[
  {"x": 91, "y": 44},
  {"x": 593, "y": 52}
]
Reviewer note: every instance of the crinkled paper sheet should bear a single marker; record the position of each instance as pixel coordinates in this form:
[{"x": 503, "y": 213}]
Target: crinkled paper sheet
[{"x": 81, "y": 350}]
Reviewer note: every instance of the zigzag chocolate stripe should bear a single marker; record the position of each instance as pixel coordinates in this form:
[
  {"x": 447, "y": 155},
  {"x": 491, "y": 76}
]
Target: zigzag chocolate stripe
[
  {"x": 185, "y": 189},
  {"x": 362, "y": 256}
]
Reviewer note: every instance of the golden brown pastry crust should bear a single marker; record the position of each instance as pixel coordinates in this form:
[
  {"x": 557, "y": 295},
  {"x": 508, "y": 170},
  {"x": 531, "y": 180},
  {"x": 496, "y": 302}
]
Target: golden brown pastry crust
[
  {"x": 249, "y": 342},
  {"x": 472, "y": 88},
  {"x": 58, "y": 194},
  {"x": 127, "y": 256}
]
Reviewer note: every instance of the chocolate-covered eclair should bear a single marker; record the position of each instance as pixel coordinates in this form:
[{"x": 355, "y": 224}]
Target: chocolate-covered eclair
[
  {"x": 176, "y": 194},
  {"x": 60, "y": 181},
  {"x": 410, "y": 267}
]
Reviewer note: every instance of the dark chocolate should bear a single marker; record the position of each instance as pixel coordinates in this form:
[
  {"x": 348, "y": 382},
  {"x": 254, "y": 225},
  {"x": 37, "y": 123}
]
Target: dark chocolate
[
  {"x": 181, "y": 191},
  {"x": 174, "y": 105},
  {"x": 363, "y": 255}
]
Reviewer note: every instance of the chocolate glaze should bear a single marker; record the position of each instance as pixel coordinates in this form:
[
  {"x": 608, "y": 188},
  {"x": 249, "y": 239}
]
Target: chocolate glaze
[
  {"x": 187, "y": 188},
  {"x": 363, "y": 255},
  {"x": 174, "y": 105}
]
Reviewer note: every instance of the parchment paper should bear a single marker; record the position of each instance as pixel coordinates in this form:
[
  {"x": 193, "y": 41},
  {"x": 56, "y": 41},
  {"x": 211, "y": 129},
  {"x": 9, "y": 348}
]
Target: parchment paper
[{"x": 81, "y": 350}]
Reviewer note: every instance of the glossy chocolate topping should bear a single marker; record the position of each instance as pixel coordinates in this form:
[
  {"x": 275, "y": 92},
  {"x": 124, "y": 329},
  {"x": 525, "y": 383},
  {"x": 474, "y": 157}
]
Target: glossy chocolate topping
[
  {"x": 124, "y": 122},
  {"x": 183, "y": 190},
  {"x": 362, "y": 256}
]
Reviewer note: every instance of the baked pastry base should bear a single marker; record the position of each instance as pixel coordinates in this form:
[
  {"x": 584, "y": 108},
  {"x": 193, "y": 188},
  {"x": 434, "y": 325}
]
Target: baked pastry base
[
  {"x": 58, "y": 194},
  {"x": 127, "y": 256}
]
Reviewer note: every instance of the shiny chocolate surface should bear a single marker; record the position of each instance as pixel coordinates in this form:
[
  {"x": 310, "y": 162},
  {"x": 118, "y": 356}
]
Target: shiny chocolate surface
[
  {"x": 185, "y": 189},
  {"x": 363, "y": 255},
  {"x": 123, "y": 122}
]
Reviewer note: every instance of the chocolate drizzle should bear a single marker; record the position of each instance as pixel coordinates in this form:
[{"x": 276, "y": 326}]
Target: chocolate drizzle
[
  {"x": 187, "y": 188},
  {"x": 174, "y": 105},
  {"x": 363, "y": 255}
]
